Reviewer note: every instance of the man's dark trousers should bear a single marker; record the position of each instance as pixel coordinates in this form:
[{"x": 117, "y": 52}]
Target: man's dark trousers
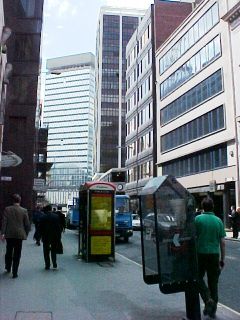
[
  {"x": 47, "y": 248},
  {"x": 13, "y": 255},
  {"x": 208, "y": 263}
]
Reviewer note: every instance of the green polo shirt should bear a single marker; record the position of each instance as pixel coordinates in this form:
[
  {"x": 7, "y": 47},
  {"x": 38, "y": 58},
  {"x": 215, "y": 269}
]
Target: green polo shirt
[{"x": 209, "y": 232}]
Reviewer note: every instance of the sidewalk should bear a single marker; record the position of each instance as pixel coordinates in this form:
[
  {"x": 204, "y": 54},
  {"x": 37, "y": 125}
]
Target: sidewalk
[
  {"x": 85, "y": 291},
  {"x": 229, "y": 234}
]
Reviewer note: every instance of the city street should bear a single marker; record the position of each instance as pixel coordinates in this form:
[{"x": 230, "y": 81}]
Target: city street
[{"x": 229, "y": 280}]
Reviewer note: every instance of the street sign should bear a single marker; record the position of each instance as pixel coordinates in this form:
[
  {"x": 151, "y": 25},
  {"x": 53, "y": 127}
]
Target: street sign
[{"x": 39, "y": 185}]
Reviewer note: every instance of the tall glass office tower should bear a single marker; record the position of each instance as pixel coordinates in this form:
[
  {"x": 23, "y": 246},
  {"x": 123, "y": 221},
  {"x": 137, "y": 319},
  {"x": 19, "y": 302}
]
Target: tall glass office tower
[
  {"x": 69, "y": 115},
  {"x": 115, "y": 28}
]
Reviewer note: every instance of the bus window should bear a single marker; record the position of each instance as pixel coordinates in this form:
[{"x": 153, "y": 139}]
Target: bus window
[{"x": 118, "y": 176}]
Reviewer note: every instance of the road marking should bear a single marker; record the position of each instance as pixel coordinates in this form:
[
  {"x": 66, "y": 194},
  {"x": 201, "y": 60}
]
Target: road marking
[
  {"x": 138, "y": 264},
  {"x": 220, "y": 304},
  {"x": 230, "y": 309}
]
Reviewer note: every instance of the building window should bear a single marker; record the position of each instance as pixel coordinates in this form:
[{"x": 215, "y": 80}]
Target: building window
[
  {"x": 192, "y": 98},
  {"x": 210, "y": 159},
  {"x": 199, "y": 61},
  {"x": 206, "y": 124},
  {"x": 198, "y": 30}
]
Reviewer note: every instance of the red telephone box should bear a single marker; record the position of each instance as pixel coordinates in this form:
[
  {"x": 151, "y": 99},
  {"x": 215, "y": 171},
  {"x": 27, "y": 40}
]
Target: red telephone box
[{"x": 97, "y": 222}]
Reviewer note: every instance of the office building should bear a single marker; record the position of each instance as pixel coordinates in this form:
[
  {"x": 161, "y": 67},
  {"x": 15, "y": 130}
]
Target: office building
[
  {"x": 24, "y": 18},
  {"x": 115, "y": 27},
  {"x": 69, "y": 115},
  {"x": 197, "y": 104},
  {"x": 232, "y": 18},
  {"x": 160, "y": 20},
  {"x": 3, "y": 61}
]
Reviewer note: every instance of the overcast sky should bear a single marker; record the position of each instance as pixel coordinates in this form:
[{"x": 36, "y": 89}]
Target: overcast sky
[{"x": 69, "y": 26}]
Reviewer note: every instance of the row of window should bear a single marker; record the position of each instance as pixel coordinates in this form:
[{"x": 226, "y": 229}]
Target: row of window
[
  {"x": 143, "y": 116},
  {"x": 143, "y": 143},
  {"x": 59, "y": 136},
  {"x": 62, "y": 146},
  {"x": 197, "y": 31},
  {"x": 83, "y": 107},
  {"x": 70, "y": 75},
  {"x": 78, "y": 86},
  {"x": 213, "y": 158},
  {"x": 69, "y": 153},
  {"x": 145, "y": 88},
  {"x": 137, "y": 48},
  {"x": 64, "y": 104},
  {"x": 110, "y": 98},
  {"x": 199, "y": 61},
  {"x": 73, "y": 90},
  {"x": 192, "y": 98},
  {"x": 76, "y": 113},
  {"x": 60, "y": 141},
  {"x": 143, "y": 65},
  {"x": 142, "y": 171},
  {"x": 62, "y": 119},
  {"x": 67, "y": 100},
  {"x": 209, "y": 122},
  {"x": 110, "y": 85}
]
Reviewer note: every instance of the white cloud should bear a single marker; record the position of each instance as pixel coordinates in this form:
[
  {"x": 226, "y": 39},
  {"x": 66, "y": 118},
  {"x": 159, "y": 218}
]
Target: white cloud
[{"x": 60, "y": 8}]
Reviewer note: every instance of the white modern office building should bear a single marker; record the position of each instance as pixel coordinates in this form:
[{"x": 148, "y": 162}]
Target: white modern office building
[
  {"x": 69, "y": 115},
  {"x": 115, "y": 28},
  {"x": 197, "y": 104},
  {"x": 159, "y": 21}
]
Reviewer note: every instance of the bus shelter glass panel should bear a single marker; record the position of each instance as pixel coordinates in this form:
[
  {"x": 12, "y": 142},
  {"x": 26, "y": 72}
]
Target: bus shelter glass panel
[
  {"x": 149, "y": 252},
  {"x": 170, "y": 230}
]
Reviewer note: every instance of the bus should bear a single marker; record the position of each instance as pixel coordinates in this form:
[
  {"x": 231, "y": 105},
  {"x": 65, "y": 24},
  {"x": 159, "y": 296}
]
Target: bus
[{"x": 117, "y": 176}]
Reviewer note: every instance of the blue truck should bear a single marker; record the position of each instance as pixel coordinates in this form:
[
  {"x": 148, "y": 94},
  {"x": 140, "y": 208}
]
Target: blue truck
[
  {"x": 72, "y": 218},
  {"x": 123, "y": 217}
]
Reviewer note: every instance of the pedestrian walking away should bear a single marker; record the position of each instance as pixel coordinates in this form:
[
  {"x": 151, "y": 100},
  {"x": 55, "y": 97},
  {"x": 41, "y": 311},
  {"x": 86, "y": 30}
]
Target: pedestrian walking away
[
  {"x": 210, "y": 235},
  {"x": 62, "y": 218},
  {"x": 15, "y": 229},
  {"x": 36, "y": 217},
  {"x": 235, "y": 219},
  {"x": 50, "y": 233}
]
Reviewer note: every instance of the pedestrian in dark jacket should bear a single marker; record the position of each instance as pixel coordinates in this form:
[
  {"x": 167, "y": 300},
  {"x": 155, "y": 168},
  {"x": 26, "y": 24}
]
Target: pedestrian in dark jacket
[
  {"x": 62, "y": 218},
  {"x": 235, "y": 217},
  {"x": 15, "y": 228},
  {"x": 36, "y": 217},
  {"x": 50, "y": 231}
]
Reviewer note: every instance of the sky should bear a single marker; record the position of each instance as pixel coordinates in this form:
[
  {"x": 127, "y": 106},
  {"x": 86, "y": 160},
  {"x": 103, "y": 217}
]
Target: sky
[{"x": 69, "y": 26}]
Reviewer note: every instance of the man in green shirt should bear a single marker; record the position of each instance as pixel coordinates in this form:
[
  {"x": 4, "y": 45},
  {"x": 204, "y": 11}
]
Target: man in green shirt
[{"x": 210, "y": 235}]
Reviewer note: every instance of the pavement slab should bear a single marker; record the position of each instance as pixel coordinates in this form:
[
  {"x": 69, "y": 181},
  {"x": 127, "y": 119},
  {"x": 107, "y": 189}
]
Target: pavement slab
[{"x": 33, "y": 315}]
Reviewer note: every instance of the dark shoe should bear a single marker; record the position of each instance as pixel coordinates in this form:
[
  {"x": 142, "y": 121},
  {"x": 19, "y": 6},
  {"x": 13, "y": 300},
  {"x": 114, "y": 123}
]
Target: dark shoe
[
  {"x": 55, "y": 266},
  {"x": 7, "y": 270},
  {"x": 38, "y": 243},
  {"x": 15, "y": 276},
  {"x": 210, "y": 308},
  {"x": 47, "y": 268}
]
